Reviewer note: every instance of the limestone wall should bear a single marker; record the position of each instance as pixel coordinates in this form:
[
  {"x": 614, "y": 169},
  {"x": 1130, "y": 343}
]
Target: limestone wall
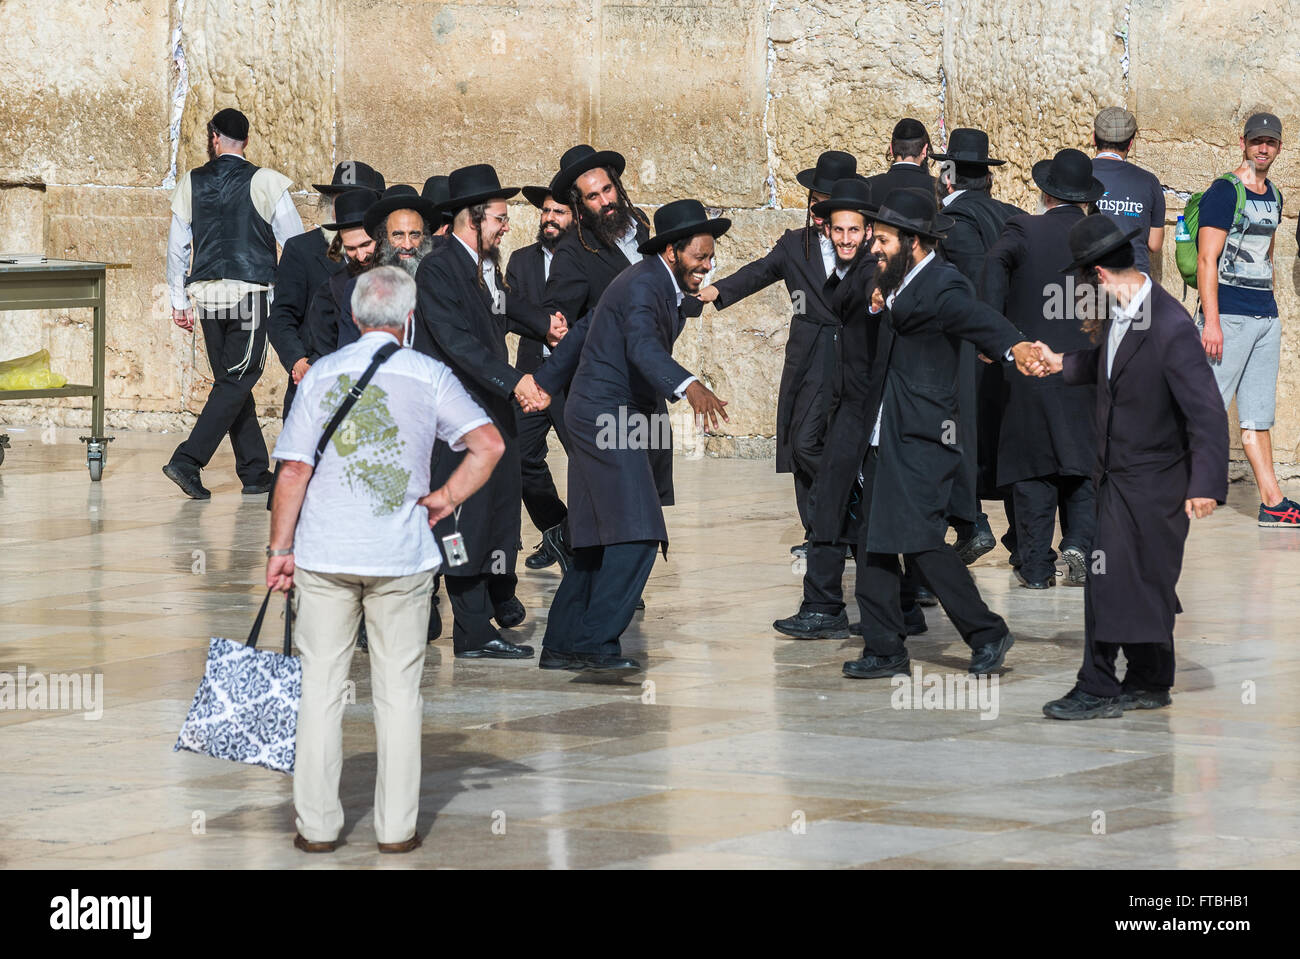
[{"x": 105, "y": 101}]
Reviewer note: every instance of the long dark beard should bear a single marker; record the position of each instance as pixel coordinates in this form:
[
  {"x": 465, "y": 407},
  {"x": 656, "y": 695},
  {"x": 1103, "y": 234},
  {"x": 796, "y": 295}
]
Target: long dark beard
[
  {"x": 608, "y": 229},
  {"x": 890, "y": 277},
  {"x": 357, "y": 267},
  {"x": 387, "y": 255},
  {"x": 549, "y": 243}
]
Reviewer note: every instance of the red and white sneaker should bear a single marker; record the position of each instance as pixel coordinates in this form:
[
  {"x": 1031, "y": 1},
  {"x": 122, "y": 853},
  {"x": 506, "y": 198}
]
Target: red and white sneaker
[{"x": 1285, "y": 515}]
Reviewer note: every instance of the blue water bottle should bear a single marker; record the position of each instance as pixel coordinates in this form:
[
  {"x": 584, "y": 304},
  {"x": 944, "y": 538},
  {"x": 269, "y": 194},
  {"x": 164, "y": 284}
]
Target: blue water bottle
[{"x": 1181, "y": 234}]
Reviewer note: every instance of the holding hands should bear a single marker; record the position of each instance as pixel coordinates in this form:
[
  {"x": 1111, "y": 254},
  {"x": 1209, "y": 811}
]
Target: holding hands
[
  {"x": 559, "y": 326},
  {"x": 1036, "y": 359},
  {"x": 530, "y": 396}
]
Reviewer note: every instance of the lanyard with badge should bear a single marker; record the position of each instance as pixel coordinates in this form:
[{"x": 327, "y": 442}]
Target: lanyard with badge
[{"x": 453, "y": 545}]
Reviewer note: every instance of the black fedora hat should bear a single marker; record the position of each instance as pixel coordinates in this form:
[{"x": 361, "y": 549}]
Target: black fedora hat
[
  {"x": 473, "y": 184},
  {"x": 579, "y": 160},
  {"x": 1068, "y": 176},
  {"x": 680, "y": 219},
  {"x": 968, "y": 146},
  {"x": 437, "y": 191},
  {"x": 536, "y": 195},
  {"x": 350, "y": 208},
  {"x": 400, "y": 196},
  {"x": 1094, "y": 237},
  {"x": 914, "y": 211},
  {"x": 832, "y": 166},
  {"x": 351, "y": 174},
  {"x": 850, "y": 193}
]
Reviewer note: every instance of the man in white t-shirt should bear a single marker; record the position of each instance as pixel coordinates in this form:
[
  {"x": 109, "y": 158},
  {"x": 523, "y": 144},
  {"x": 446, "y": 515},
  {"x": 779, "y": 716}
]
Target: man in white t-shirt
[{"x": 353, "y": 532}]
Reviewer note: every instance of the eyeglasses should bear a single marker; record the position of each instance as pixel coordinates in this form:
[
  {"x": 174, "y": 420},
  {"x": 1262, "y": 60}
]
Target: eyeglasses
[{"x": 503, "y": 217}]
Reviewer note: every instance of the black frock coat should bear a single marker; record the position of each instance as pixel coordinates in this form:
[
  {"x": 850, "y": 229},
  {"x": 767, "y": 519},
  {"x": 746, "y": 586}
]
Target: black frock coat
[
  {"x": 1163, "y": 440},
  {"x": 303, "y": 267},
  {"x": 810, "y": 346},
  {"x": 1047, "y": 424},
  {"x": 617, "y": 490},
  {"x": 580, "y": 274},
  {"x": 916, "y": 392},
  {"x": 455, "y": 324}
]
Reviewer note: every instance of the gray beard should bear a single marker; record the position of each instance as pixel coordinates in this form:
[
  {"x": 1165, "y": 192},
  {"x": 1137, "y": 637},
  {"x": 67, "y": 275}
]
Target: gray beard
[{"x": 388, "y": 256}]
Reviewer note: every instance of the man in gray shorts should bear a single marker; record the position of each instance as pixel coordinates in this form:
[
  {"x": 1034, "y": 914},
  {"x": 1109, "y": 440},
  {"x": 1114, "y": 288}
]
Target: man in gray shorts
[{"x": 1239, "y": 323}]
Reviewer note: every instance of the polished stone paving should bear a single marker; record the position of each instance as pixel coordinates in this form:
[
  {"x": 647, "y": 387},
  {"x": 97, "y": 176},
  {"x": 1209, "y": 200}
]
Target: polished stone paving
[{"x": 736, "y": 749}]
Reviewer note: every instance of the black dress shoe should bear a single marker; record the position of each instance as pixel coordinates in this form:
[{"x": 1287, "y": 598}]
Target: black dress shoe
[
  {"x": 925, "y": 598},
  {"x": 976, "y": 545},
  {"x": 259, "y": 486},
  {"x": 541, "y": 559},
  {"x": 1144, "y": 698},
  {"x": 603, "y": 662},
  {"x": 554, "y": 540},
  {"x": 1035, "y": 583},
  {"x": 1078, "y": 564},
  {"x": 989, "y": 657},
  {"x": 510, "y": 613},
  {"x": 874, "y": 667},
  {"x": 1076, "y": 704},
  {"x": 554, "y": 659},
  {"x": 640, "y": 605},
  {"x": 809, "y": 625},
  {"x": 187, "y": 480},
  {"x": 496, "y": 649}
]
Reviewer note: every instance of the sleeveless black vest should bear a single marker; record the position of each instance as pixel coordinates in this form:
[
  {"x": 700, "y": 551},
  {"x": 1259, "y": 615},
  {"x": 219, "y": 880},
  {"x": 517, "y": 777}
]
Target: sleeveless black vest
[{"x": 231, "y": 240}]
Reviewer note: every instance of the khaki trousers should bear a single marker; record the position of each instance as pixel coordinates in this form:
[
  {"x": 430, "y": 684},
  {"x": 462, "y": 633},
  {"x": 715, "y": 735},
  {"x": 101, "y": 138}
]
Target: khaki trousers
[{"x": 328, "y": 609}]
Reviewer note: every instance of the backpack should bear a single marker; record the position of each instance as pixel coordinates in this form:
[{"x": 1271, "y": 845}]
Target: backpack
[{"x": 1185, "y": 249}]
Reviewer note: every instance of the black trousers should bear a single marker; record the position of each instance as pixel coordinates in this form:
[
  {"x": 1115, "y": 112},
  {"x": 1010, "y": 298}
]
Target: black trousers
[
  {"x": 236, "y": 346},
  {"x": 541, "y": 499},
  {"x": 471, "y": 608},
  {"x": 1037, "y": 502},
  {"x": 879, "y": 590},
  {"x": 597, "y": 597},
  {"x": 966, "y": 530},
  {"x": 1150, "y": 667},
  {"x": 823, "y": 580}
]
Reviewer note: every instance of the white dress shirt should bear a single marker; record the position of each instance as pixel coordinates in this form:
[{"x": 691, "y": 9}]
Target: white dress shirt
[
  {"x": 489, "y": 274},
  {"x": 889, "y": 302},
  {"x": 828, "y": 253},
  {"x": 1121, "y": 320},
  {"x": 681, "y": 390},
  {"x": 951, "y": 196},
  {"x": 627, "y": 243},
  {"x": 547, "y": 257}
]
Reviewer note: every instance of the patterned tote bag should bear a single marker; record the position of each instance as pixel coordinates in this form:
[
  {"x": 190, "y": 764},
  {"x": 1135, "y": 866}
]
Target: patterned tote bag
[{"x": 246, "y": 708}]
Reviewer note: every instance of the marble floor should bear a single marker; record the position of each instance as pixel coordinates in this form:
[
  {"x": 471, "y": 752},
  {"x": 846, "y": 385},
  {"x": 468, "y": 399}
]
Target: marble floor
[{"x": 736, "y": 748}]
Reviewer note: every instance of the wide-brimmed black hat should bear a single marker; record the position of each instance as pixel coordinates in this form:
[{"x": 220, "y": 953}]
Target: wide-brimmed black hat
[
  {"x": 1068, "y": 176},
  {"x": 850, "y": 193},
  {"x": 350, "y": 208},
  {"x": 968, "y": 146},
  {"x": 351, "y": 174},
  {"x": 400, "y": 196},
  {"x": 914, "y": 211},
  {"x": 536, "y": 195},
  {"x": 230, "y": 123},
  {"x": 437, "y": 191},
  {"x": 832, "y": 166},
  {"x": 579, "y": 160},
  {"x": 1095, "y": 236},
  {"x": 473, "y": 184},
  {"x": 680, "y": 219}
]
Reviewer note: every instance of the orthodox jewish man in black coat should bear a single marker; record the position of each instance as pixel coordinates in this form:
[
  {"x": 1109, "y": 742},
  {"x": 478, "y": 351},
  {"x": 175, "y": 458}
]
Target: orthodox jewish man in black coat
[
  {"x": 834, "y": 504},
  {"x": 461, "y": 321},
  {"x": 965, "y": 181},
  {"x": 804, "y": 260},
  {"x": 915, "y": 450},
  {"x": 1162, "y": 458},
  {"x": 1047, "y": 445},
  {"x": 304, "y": 265},
  {"x": 330, "y": 303},
  {"x": 620, "y": 453}
]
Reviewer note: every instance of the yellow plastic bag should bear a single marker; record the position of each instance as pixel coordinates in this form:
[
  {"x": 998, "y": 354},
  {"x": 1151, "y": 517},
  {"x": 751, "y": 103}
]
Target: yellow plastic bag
[{"x": 30, "y": 373}]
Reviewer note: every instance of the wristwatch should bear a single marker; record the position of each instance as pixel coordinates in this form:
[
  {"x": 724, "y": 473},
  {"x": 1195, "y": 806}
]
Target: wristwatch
[{"x": 278, "y": 552}]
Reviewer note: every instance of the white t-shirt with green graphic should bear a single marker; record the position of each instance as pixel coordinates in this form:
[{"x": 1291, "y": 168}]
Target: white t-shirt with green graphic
[{"x": 360, "y": 514}]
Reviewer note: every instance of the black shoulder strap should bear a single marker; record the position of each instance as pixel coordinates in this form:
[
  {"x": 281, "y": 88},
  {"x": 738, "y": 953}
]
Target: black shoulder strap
[{"x": 354, "y": 394}]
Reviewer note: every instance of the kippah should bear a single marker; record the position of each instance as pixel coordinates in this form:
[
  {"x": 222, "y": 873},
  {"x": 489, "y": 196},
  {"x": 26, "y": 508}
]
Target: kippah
[
  {"x": 909, "y": 129},
  {"x": 231, "y": 123}
]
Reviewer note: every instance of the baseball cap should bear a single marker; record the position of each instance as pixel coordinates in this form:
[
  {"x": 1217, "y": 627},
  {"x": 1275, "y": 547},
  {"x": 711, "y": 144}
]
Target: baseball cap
[
  {"x": 1114, "y": 125},
  {"x": 1263, "y": 125}
]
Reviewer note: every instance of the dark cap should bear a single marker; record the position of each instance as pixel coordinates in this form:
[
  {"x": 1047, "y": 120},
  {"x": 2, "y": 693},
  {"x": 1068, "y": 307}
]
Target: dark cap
[
  {"x": 231, "y": 123},
  {"x": 1263, "y": 125},
  {"x": 909, "y": 129}
]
